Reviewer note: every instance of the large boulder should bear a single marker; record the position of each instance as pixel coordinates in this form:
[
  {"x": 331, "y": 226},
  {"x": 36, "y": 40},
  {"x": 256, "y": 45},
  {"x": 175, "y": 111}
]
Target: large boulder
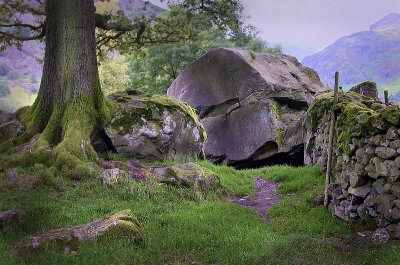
[
  {"x": 251, "y": 105},
  {"x": 153, "y": 128}
]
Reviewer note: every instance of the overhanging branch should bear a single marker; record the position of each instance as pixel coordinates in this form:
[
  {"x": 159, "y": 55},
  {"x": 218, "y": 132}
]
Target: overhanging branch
[
  {"x": 22, "y": 38},
  {"x": 32, "y": 27}
]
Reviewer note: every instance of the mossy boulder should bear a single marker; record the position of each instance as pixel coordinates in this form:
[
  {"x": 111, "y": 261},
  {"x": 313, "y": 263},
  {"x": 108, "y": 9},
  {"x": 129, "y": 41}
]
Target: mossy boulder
[
  {"x": 154, "y": 127},
  {"x": 120, "y": 225},
  {"x": 188, "y": 175}
]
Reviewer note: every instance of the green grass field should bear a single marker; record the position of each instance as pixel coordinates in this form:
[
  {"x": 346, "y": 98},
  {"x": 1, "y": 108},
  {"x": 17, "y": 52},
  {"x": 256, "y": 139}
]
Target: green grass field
[
  {"x": 18, "y": 96},
  {"x": 185, "y": 226}
]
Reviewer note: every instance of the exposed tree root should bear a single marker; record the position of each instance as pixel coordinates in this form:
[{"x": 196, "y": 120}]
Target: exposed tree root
[{"x": 63, "y": 143}]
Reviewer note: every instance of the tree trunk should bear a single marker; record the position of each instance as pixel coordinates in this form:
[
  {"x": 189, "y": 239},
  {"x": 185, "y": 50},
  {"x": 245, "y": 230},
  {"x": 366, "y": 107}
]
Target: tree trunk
[{"x": 70, "y": 103}]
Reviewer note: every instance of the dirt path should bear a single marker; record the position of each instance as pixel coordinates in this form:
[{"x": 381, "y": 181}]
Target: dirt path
[{"x": 265, "y": 195}]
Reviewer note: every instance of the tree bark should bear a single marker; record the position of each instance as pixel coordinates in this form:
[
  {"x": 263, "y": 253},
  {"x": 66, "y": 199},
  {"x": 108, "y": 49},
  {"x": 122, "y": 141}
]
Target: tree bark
[
  {"x": 70, "y": 103},
  {"x": 70, "y": 64}
]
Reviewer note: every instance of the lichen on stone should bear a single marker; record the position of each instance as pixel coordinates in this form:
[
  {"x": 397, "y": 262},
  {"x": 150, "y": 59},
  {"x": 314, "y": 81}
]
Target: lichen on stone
[{"x": 147, "y": 106}]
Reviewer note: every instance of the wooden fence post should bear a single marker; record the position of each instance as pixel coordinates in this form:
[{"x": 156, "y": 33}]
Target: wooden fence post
[
  {"x": 330, "y": 141},
  {"x": 386, "y": 98}
]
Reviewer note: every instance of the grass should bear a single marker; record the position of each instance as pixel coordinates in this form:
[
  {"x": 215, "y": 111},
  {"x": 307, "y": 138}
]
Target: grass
[
  {"x": 17, "y": 98},
  {"x": 185, "y": 226}
]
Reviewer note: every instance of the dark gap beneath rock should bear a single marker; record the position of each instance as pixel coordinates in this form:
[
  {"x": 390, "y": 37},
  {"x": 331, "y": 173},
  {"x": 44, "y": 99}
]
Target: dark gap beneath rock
[
  {"x": 101, "y": 142},
  {"x": 217, "y": 109},
  {"x": 295, "y": 157},
  {"x": 294, "y": 104}
]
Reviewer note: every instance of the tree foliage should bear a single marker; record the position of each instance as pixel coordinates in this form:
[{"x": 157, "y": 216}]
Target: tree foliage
[
  {"x": 22, "y": 20},
  {"x": 114, "y": 75},
  {"x": 153, "y": 69}
]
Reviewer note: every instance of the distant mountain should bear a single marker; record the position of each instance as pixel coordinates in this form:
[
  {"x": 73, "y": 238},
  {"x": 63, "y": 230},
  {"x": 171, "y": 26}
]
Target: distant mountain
[
  {"x": 20, "y": 70},
  {"x": 368, "y": 55}
]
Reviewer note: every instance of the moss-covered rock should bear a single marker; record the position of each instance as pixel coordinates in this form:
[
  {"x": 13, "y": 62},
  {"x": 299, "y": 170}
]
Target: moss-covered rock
[
  {"x": 188, "y": 175},
  {"x": 155, "y": 127},
  {"x": 119, "y": 225}
]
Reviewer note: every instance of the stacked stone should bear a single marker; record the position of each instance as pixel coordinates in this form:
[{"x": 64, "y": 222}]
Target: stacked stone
[
  {"x": 366, "y": 155},
  {"x": 316, "y": 144},
  {"x": 368, "y": 181}
]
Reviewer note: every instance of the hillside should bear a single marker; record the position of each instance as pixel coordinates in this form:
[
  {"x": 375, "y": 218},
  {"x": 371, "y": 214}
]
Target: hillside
[{"x": 368, "y": 55}]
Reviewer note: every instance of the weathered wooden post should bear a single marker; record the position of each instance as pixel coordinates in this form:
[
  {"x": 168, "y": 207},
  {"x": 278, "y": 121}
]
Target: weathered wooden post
[
  {"x": 330, "y": 140},
  {"x": 386, "y": 93}
]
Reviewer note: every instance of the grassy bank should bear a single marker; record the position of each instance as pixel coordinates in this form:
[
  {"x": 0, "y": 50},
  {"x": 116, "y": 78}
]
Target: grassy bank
[{"x": 187, "y": 227}]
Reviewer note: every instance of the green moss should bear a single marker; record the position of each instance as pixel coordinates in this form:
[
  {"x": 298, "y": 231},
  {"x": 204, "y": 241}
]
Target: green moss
[
  {"x": 175, "y": 103},
  {"x": 377, "y": 106},
  {"x": 126, "y": 119},
  {"x": 118, "y": 225},
  {"x": 391, "y": 114},
  {"x": 354, "y": 116},
  {"x": 29, "y": 158},
  {"x": 252, "y": 55},
  {"x": 146, "y": 107},
  {"x": 279, "y": 136},
  {"x": 276, "y": 109}
]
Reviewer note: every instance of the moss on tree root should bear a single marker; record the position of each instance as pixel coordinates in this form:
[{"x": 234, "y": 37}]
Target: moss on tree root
[{"x": 64, "y": 141}]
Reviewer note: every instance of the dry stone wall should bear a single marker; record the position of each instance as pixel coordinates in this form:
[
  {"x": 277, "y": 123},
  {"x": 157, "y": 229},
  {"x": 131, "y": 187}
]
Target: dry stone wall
[{"x": 366, "y": 158}]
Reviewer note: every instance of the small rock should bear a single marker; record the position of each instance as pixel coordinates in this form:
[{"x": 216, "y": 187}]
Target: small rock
[
  {"x": 380, "y": 237},
  {"x": 386, "y": 168},
  {"x": 362, "y": 211},
  {"x": 10, "y": 217},
  {"x": 137, "y": 171},
  {"x": 394, "y": 230},
  {"x": 12, "y": 174},
  {"x": 188, "y": 175},
  {"x": 111, "y": 176},
  {"x": 361, "y": 192},
  {"x": 376, "y": 139},
  {"x": 386, "y": 152},
  {"x": 357, "y": 181},
  {"x": 395, "y": 190},
  {"x": 392, "y": 133},
  {"x": 361, "y": 156},
  {"x": 395, "y": 144},
  {"x": 370, "y": 150},
  {"x": 11, "y": 129},
  {"x": 319, "y": 200}
]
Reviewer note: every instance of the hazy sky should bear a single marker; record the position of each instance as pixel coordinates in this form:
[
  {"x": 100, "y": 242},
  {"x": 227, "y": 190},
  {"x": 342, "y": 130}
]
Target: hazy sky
[{"x": 307, "y": 26}]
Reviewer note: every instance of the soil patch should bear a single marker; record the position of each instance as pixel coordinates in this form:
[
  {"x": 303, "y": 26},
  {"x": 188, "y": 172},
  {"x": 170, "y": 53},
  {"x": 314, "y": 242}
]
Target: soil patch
[{"x": 265, "y": 195}]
